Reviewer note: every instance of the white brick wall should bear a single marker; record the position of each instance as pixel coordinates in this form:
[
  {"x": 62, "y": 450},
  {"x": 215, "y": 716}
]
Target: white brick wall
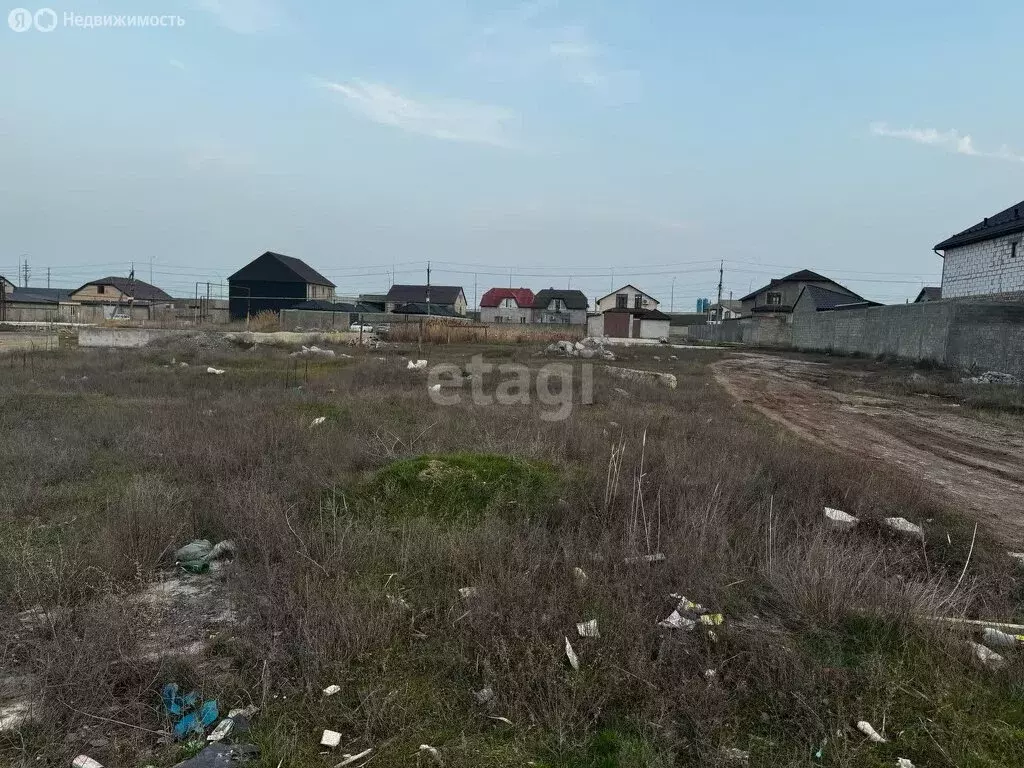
[{"x": 983, "y": 268}]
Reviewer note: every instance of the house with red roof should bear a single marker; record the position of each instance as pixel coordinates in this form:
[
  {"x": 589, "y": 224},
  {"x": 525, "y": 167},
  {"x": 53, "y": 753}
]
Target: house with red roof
[{"x": 507, "y": 305}]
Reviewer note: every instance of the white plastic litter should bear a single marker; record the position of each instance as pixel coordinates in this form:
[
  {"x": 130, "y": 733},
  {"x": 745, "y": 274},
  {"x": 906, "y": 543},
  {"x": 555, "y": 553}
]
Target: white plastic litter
[
  {"x": 419, "y": 365},
  {"x": 581, "y": 577},
  {"x": 987, "y": 656},
  {"x": 676, "y": 620},
  {"x": 1018, "y": 556},
  {"x": 223, "y": 729},
  {"x": 657, "y": 557},
  {"x": 588, "y": 628},
  {"x": 467, "y": 593},
  {"x": 435, "y": 387},
  {"x": 574, "y": 660},
  {"x": 902, "y": 525},
  {"x": 997, "y": 639},
  {"x": 215, "y": 371},
  {"x": 865, "y": 727},
  {"x": 902, "y": 762},
  {"x": 839, "y": 520},
  {"x": 350, "y": 759},
  {"x": 318, "y": 421},
  {"x": 330, "y": 690},
  {"x": 426, "y": 749},
  {"x": 84, "y": 761},
  {"x": 500, "y": 719},
  {"x": 736, "y": 755},
  {"x": 330, "y": 739},
  {"x": 484, "y": 695}
]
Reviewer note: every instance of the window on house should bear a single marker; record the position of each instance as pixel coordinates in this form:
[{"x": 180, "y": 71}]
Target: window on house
[
  {"x": 621, "y": 301},
  {"x": 522, "y": 320},
  {"x": 1013, "y": 248},
  {"x": 638, "y": 302},
  {"x": 774, "y": 299},
  {"x": 99, "y": 288},
  {"x": 557, "y": 305}
]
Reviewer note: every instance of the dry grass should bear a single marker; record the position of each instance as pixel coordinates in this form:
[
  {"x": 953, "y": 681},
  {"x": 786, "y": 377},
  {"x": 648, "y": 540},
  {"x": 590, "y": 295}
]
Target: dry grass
[
  {"x": 110, "y": 459},
  {"x": 448, "y": 331}
]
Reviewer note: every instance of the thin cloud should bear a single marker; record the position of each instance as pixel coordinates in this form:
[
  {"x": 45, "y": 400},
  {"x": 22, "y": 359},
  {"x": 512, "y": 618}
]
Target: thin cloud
[
  {"x": 951, "y": 140},
  {"x": 527, "y": 43},
  {"x": 245, "y": 17},
  {"x": 176, "y": 64},
  {"x": 450, "y": 120}
]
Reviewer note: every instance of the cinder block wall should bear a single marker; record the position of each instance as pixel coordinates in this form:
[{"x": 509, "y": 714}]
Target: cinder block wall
[
  {"x": 980, "y": 268},
  {"x": 960, "y": 334}
]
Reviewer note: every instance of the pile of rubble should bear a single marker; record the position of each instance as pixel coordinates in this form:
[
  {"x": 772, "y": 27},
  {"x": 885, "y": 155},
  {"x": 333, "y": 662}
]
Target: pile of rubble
[
  {"x": 588, "y": 349},
  {"x": 994, "y": 377}
]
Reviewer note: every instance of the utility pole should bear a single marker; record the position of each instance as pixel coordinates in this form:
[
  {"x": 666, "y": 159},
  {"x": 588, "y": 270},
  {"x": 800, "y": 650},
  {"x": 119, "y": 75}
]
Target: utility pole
[
  {"x": 475, "y": 305},
  {"x": 721, "y": 269},
  {"x": 672, "y": 297},
  {"x": 510, "y": 277},
  {"x": 428, "y": 289},
  {"x": 26, "y": 273},
  {"x": 47, "y": 278}
]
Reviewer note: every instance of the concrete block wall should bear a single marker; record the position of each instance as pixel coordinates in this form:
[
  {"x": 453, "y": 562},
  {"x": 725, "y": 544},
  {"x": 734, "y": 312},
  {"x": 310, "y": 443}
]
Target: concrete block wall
[
  {"x": 984, "y": 268},
  {"x": 959, "y": 334}
]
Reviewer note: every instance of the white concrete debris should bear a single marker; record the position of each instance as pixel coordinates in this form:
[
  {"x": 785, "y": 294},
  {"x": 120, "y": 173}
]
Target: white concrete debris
[
  {"x": 866, "y": 728},
  {"x": 419, "y": 365},
  {"x": 484, "y": 696},
  {"x": 318, "y": 421},
  {"x": 314, "y": 350},
  {"x": 588, "y": 348},
  {"x": 570, "y": 654},
  {"x": 84, "y": 761},
  {"x": 434, "y": 388},
  {"x": 657, "y": 557},
  {"x": 902, "y": 525},
  {"x": 350, "y": 759},
  {"x": 330, "y": 690},
  {"x": 215, "y": 371},
  {"x": 839, "y": 520},
  {"x": 1018, "y": 556},
  {"x": 330, "y": 739},
  {"x": 588, "y": 628},
  {"x": 994, "y": 377},
  {"x": 996, "y": 639},
  {"x": 987, "y": 656},
  {"x": 902, "y": 762},
  {"x": 580, "y": 577},
  {"x": 634, "y": 374}
]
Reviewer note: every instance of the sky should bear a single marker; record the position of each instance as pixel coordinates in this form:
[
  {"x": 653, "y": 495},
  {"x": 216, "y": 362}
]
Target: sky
[{"x": 546, "y": 143}]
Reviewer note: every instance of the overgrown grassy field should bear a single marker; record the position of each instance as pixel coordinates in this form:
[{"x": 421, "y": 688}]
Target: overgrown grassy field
[{"x": 355, "y": 536}]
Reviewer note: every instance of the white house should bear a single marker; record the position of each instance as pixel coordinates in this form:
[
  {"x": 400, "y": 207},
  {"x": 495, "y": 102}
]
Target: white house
[
  {"x": 986, "y": 259},
  {"x": 627, "y": 297}
]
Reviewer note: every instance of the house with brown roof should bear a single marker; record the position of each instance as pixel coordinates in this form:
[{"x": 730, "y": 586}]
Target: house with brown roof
[
  {"x": 119, "y": 290},
  {"x": 507, "y": 305}
]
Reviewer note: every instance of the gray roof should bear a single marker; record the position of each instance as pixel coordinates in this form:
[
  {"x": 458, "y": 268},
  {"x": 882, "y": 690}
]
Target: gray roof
[
  {"x": 137, "y": 289},
  {"x": 1006, "y": 222},
  {"x": 824, "y": 299},
  {"x": 421, "y": 308},
  {"x": 39, "y": 295},
  {"x": 929, "y": 293},
  {"x": 415, "y": 294},
  {"x": 572, "y": 298},
  {"x": 803, "y": 276}
]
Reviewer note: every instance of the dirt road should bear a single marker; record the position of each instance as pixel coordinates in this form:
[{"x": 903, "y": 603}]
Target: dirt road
[{"x": 978, "y": 466}]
